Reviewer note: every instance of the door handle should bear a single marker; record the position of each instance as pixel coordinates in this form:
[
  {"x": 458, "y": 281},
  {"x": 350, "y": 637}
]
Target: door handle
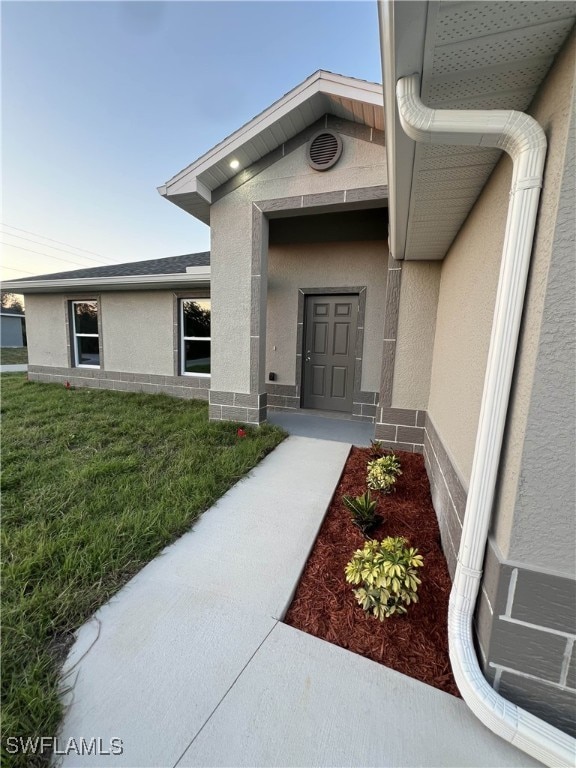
[{"x": 307, "y": 358}]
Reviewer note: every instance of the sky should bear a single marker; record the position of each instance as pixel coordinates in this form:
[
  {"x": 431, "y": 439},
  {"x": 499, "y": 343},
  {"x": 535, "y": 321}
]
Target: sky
[{"x": 104, "y": 101}]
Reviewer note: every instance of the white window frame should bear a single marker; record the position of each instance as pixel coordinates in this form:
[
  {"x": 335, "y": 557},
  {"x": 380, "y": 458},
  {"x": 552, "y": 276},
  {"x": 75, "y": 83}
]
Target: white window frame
[
  {"x": 77, "y": 335},
  {"x": 184, "y": 339}
]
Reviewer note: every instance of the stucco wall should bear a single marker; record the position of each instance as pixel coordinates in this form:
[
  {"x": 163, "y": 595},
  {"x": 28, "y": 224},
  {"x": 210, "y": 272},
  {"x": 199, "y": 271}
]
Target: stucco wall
[
  {"x": 535, "y": 484},
  {"x": 46, "y": 330},
  {"x": 362, "y": 164},
  {"x": 137, "y": 329},
  {"x": 539, "y": 485},
  {"x": 330, "y": 265},
  {"x": 464, "y": 321},
  {"x": 415, "y": 335}
]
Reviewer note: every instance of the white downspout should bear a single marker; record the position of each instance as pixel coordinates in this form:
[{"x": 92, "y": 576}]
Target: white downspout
[{"x": 523, "y": 139}]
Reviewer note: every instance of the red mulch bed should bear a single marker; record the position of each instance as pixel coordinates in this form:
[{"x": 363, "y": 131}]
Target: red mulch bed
[{"x": 416, "y": 643}]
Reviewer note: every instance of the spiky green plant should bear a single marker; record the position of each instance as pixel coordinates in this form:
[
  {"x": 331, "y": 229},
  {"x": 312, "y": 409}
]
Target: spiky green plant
[
  {"x": 363, "y": 509},
  {"x": 387, "y": 573},
  {"x": 376, "y": 449}
]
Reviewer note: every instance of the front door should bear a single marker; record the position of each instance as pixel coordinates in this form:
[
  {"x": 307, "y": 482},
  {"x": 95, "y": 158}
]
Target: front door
[{"x": 329, "y": 352}]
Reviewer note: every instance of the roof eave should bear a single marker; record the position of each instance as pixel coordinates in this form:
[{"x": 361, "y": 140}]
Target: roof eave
[
  {"x": 402, "y": 37},
  {"x": 122, "y": 283},
  {"x": 187, "y": 190},
  {"x": 193, "y": 203}
]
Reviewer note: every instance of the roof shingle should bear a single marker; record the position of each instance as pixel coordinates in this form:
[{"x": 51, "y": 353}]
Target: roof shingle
[{"x": 167, "y": 266}]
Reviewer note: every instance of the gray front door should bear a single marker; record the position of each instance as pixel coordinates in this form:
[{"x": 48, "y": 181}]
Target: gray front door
[{"x": 329, "y": 352}]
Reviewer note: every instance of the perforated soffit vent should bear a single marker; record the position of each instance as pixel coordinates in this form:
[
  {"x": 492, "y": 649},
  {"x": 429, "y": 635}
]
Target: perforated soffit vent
[{"x": 324, "y": 150}]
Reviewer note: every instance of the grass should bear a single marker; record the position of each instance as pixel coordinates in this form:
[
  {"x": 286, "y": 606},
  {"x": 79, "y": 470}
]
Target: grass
[
  {"x": 95, "y": 484},
  {"x": 13, "y": 355}
]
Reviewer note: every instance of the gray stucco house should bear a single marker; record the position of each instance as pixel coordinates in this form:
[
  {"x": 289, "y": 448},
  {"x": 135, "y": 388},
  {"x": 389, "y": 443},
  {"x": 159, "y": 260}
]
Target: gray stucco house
[
  {"x": 373, "y": 257},
  {"x": 12, "y": 327}
]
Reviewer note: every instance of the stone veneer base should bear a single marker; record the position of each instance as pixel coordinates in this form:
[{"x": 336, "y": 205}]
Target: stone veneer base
[
  {"x": 400, "y": 428},
  {"x": 186, "y": 387},
  {"x": 286, "y": 397}
]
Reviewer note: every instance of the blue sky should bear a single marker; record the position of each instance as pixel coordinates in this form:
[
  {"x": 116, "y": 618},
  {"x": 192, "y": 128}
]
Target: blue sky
[{"x": 104, "y": 101}]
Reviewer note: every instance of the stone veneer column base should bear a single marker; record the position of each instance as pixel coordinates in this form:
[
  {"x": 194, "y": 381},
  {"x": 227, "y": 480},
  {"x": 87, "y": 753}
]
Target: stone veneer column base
[
  {"x": 186, "y": 387},
  {"x": 400, "y": 428},
  {"x": 237, "y": 406}
]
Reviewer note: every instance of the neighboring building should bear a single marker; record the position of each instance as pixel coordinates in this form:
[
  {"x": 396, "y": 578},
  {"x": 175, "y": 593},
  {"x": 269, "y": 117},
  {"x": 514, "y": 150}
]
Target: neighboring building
[
  {"x": 12, "y": 327},
  {"x": 310, "y": 310}
]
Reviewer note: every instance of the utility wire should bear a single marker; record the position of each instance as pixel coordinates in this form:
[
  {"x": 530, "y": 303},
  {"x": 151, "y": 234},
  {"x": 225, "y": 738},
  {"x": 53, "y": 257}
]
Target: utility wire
[
  {"x": 12, "y": 269},
  {"x": 61, "y": 242},
  {"x": 47, "y": 255},
  {"x": 53, "y": 247}
]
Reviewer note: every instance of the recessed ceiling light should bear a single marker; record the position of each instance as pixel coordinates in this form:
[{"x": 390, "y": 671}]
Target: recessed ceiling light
[{"x": 234, "y": 164}]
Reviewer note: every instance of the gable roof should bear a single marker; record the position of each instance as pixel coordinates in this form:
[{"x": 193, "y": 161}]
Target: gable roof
[
  {"x": 151, "y": 273},
  {"x": 489, "y": 55},
  {"x": 322, "y": 93}
]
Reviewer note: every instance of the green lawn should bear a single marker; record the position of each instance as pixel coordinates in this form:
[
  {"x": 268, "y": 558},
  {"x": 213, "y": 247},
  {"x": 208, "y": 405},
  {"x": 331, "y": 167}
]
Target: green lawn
[
  {"x": 13, "y": 355},
  {"x": 94, "y": 485}
]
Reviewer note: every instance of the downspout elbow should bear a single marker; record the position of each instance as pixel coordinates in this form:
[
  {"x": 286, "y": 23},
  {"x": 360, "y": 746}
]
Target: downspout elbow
[{"x": 514, "y": 132}]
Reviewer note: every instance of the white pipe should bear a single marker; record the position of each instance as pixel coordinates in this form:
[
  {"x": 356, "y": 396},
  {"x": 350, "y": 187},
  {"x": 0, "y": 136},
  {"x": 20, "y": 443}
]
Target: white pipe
[{"x": 523, "y": 139}]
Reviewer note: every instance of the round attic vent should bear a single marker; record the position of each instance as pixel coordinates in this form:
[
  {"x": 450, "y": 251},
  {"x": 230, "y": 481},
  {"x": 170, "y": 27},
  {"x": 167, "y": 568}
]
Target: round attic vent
[{"x": 324, "y": 150}]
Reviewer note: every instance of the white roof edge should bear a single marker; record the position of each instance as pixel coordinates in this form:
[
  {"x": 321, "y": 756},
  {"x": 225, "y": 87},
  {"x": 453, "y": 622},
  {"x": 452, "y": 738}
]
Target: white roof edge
[
  {"x": 10, "y": 314},
  {"x": 119, "y": 281},
  {"x": 402, "y": 37},
  {"x": 320, "y": 81}
]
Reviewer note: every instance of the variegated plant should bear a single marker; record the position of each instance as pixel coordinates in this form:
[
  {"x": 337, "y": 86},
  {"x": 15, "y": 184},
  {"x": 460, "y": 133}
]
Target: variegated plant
[
  {"x": 382, "y": 473},
  {"x": 388, "y": 575}
]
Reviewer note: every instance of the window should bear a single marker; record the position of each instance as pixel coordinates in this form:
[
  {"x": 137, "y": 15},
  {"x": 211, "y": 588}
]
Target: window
[
  {"x": 85, "y": 332},
  {"x": 195, "y": 337}
]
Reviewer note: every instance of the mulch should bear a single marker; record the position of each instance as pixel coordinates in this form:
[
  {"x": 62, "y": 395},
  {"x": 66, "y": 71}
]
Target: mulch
[{"x": 415, "y": 644}]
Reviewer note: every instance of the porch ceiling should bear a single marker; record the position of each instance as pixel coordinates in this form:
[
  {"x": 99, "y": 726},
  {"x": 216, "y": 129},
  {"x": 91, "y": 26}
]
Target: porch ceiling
[
  {"x": 470, "y": 55},
  {"x": 323, "y": 92}
]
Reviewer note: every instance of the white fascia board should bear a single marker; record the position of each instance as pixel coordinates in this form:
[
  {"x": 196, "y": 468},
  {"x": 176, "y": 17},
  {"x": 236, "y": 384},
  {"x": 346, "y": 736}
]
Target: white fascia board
[
  {"x": 193, "y": 187},
  {"x": 125, "y": 282},
  {"x": 320, "y": 82},
  {"x": 402, "y": 39},
  {"x": 202, "y": 271}
]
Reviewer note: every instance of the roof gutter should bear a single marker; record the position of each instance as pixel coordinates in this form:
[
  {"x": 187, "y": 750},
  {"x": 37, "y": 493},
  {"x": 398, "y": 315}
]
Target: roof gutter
[
  {"x": 121, "y": 283},
  {"x": 522, "y": 138}
]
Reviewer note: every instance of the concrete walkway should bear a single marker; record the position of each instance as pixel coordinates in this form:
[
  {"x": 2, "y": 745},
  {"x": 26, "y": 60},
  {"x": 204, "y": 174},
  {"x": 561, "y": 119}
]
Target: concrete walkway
[
  {"x": 190, "y": 665},
  {"x": 13, "y": 368},
  {"x": 306, "y": 424}
]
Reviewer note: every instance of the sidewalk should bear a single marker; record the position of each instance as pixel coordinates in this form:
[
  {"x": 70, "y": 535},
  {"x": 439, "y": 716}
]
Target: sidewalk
[
  {"x": 13, "y": 368},
  {"x": 190, "y": 665}
]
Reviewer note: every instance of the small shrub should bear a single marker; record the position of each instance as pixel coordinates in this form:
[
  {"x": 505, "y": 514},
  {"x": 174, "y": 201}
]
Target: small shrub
[
  {"x": 377, "y": 450},
  {"x": 382, "y": 473},
  {"x": 363, "y": 509},
  {"x": 387, "y": 573}
]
